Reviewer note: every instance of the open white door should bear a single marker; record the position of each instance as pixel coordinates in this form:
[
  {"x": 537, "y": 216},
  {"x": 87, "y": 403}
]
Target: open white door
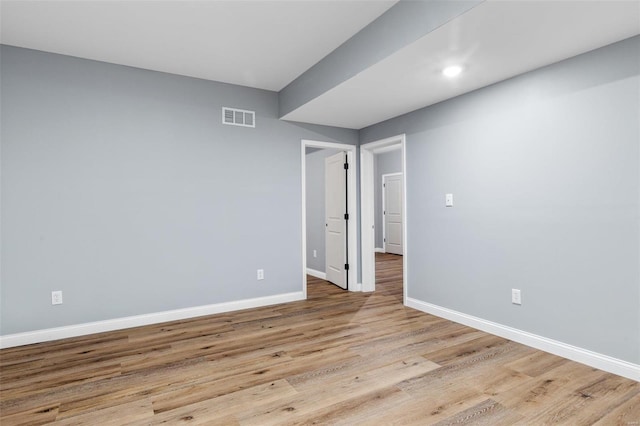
[
  {"x": 392, "y": 193},
  {"x": 335, "y": 220}
]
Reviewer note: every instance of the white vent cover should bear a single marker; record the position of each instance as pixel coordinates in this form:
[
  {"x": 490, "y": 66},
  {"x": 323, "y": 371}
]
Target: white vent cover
[{"x": 238, "y": 117}]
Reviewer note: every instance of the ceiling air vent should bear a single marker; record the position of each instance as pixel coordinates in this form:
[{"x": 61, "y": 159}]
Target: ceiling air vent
[{"x": 238, "y": 117}]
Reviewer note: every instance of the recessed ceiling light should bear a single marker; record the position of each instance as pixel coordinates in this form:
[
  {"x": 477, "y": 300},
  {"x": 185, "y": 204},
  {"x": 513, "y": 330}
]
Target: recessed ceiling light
[{"x": 452, "y": 71}]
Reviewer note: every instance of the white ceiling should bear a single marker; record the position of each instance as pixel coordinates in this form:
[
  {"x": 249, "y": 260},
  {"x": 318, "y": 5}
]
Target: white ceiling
[
  {"x": 262, "y": 44},
  {"x": 267, "y": 44},
  {"x": 493, "y": 41}
]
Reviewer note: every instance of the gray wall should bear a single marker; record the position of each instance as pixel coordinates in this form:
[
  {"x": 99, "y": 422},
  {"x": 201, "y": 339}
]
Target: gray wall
[
  {"x": 121, "y": 188},
  {"x": 315, "y": 207},
  {"x": 385, "y": 163},
  {"x": 545, "y": 170}
]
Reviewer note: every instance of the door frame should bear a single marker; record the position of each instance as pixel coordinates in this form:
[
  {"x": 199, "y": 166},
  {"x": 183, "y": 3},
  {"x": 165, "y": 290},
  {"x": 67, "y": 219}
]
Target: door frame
[
  {"x": 367, "y": 208},
  {"x": 384, "y": 222},
  {"x": 352, "y": 206}
]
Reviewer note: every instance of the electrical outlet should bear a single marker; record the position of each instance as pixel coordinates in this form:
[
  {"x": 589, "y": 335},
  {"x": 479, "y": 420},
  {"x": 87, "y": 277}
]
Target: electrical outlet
[
  {"x": 448, "y": 200},
  {"x": 315, "y": 253},
  {"x": 56, "y": 297},
  {"x": 261, "y": 274},
  {"x": 516, "y": 296}
]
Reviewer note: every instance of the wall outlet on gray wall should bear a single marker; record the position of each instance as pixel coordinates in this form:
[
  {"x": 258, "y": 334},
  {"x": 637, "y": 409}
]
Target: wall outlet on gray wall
[{"x": 260, "y": 274}]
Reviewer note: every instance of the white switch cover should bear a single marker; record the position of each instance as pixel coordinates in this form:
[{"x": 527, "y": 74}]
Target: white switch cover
[
  {"x": 448, "y": 200},
  {"x": 315, "y": 253},
  {"x": 516, "y": 297},
  {"x": 261, "y": 274},
  {"x": 56, "y": 297}
]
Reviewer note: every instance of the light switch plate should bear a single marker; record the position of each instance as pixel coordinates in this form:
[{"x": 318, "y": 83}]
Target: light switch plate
[
  {"x": 448, "y": 200},
  {"x": 516, "y": 296}
]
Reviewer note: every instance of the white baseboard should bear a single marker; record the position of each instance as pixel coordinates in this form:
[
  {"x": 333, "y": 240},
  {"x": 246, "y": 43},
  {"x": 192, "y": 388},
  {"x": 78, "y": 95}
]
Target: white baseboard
[
  {"x": 37, "y": 336},
  {"x": 366, "y": 287},
  {"x": 323, "y": 276},
  {"x": 379, "y": 250},
  {"x": 316, "y": 274},
  {"x": 584, "y": 356}
]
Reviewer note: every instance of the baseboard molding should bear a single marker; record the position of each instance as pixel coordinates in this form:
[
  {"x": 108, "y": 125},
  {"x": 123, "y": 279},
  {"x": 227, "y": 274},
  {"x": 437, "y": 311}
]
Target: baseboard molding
[
  {"x": 323, "y": 276},
  {"x": 584, "y": 356},
  {"x": 316, "y": 274},
  {"x": 49, "y": 334},
  {"x": 379, "y": 250}
]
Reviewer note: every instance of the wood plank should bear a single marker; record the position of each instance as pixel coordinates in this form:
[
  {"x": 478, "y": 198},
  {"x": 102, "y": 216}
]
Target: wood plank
[
  {"x": 36, "y": 416},
  {"x": 427, "y": 410},
  {"x": 627, "y": 414},
  {"x": 590, "y": 403},
  {"x": 537, "y": 363},
  {"x": 313, "y": 398},
  {"x": 140, "y": 410},
  {"x": 487, "y": 412},
  {"x": 225, "y": 406},
  {"x": 355, "y": 410}
]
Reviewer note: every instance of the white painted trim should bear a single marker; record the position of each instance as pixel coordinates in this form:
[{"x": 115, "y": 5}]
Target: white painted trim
[
  {"x": 379, "y": 250},
  {"x": 308, "y": 143},
  {"x": 584, "y": 356},
  {"x": 38, "y": 336},
  {"x": 303, "y": 195},
  {"x": 317, "y": 274},
  {"x": 405, "y": 267},
  {"x": 367, "y": 207},
  {"x": 367, "y": 212},
  {"x": 387, "y": 148},
  {"x": 379, "y": 145},
  {"x": 354, "y": 222},
  {"x": 384, "y": 200}
]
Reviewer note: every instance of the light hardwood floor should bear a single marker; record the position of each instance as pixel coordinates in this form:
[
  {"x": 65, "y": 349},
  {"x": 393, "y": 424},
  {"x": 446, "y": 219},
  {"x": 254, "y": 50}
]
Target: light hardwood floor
[{"x": 336, "y": 358}]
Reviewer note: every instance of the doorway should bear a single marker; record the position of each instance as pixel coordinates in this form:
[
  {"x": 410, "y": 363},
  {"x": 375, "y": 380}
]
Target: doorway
[
  {"x": 392, "y": 216},
  {"x": 352, "y": 224},
  {"x": 370, "y": 230}
]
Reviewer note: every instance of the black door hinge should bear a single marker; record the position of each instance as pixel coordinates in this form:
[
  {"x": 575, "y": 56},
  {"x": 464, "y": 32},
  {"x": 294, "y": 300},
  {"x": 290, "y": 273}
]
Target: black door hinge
[
  {"x": 346, "y": 166},
  {"x": 346, "y": 266},
  {"x": 346, "y": 216}
]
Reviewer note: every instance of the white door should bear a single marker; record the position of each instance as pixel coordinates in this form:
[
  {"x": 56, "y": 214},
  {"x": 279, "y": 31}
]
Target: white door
[
  {"x": 392, "y": 194},
  {"x": 335, "y": 223}
]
